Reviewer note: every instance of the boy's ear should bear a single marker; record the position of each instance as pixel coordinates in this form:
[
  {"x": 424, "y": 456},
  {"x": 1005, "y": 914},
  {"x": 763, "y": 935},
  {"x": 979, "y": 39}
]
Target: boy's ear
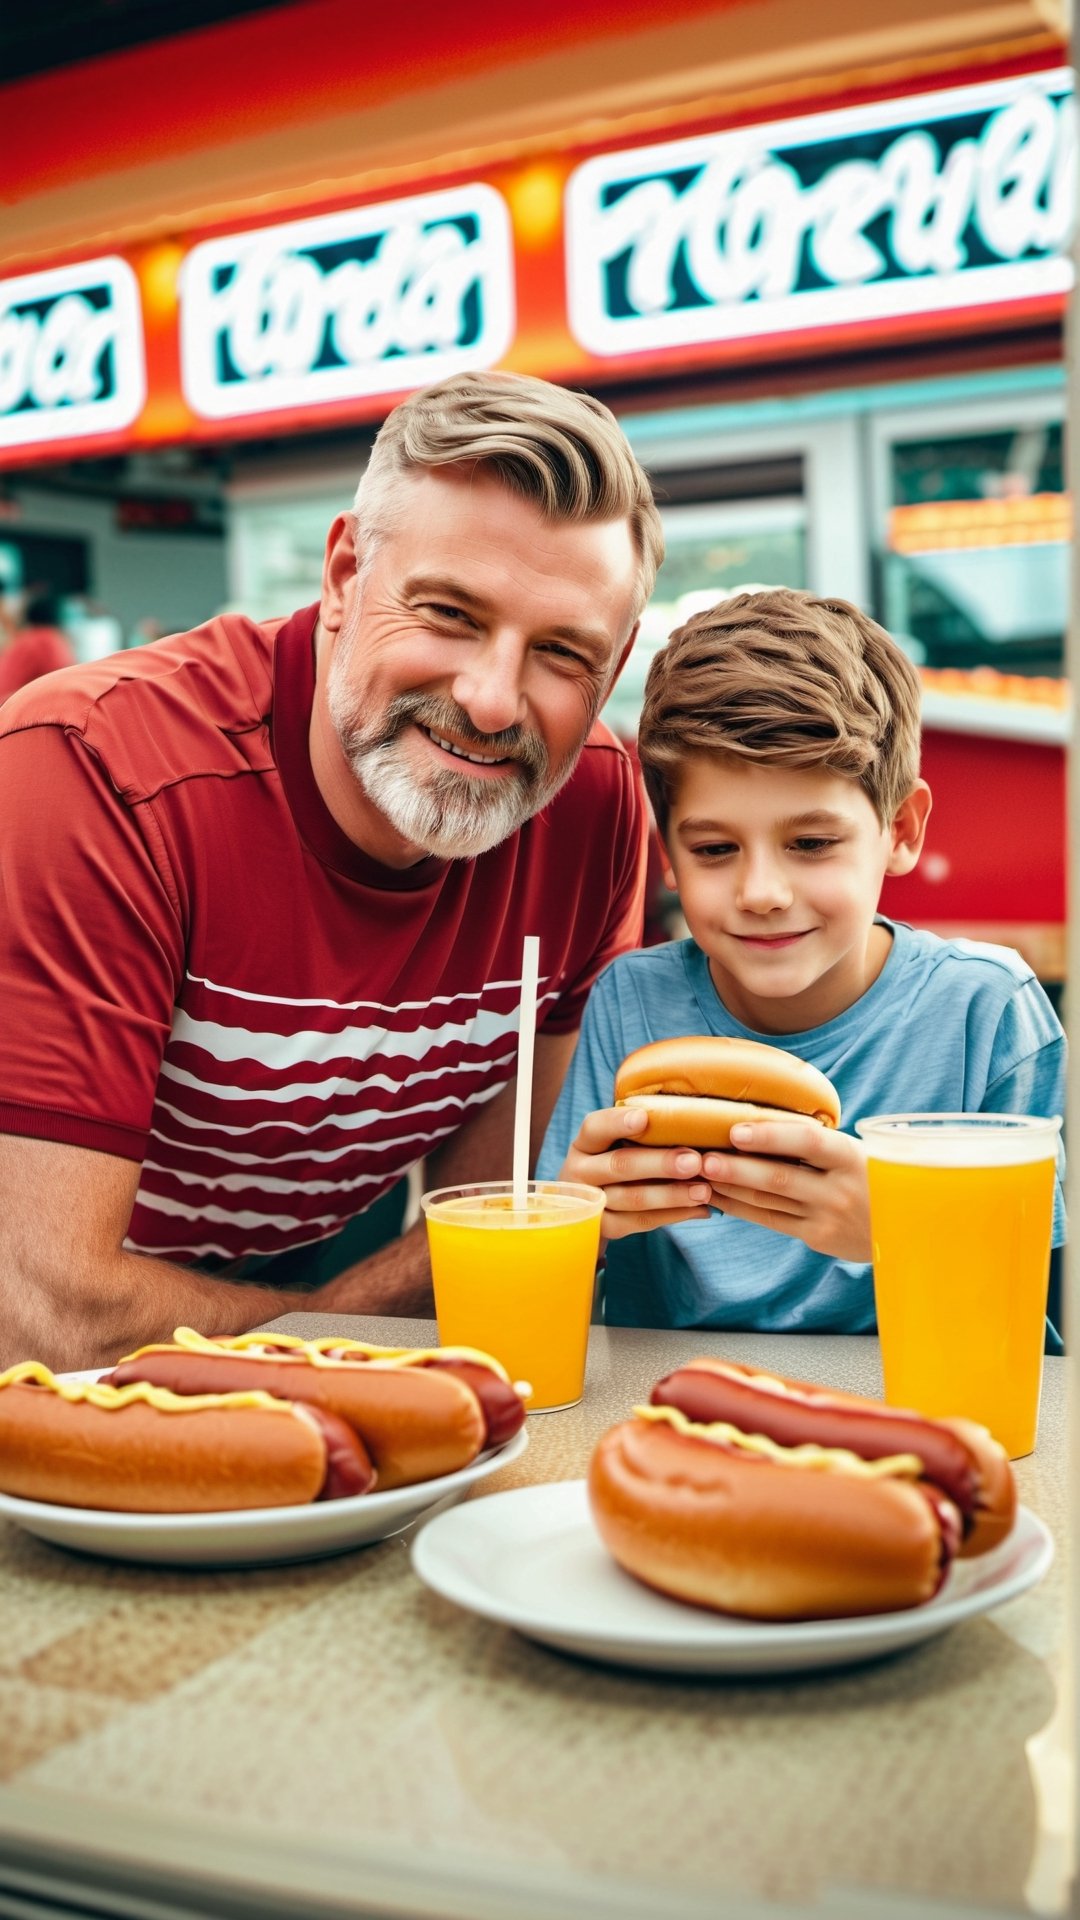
[{"x": 908, "y": 829}]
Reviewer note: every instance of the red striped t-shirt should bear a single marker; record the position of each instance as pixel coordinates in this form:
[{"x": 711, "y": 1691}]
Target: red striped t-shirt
[{"x": 201, "y": 972}]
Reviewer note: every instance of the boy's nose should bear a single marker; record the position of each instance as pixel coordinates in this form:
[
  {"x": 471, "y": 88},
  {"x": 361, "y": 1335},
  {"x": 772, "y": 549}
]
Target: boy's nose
[
  {"x": 489, "y": 686},
  {"x": 763, "y": 887}
]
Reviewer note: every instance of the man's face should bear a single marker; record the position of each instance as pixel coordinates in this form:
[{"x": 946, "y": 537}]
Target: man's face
[
  {"x": 468, "y": 667},
  {"x": 778, "y": 871}
]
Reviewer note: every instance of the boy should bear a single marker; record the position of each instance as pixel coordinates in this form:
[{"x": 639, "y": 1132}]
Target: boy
[{"x": 780, "y": 746}]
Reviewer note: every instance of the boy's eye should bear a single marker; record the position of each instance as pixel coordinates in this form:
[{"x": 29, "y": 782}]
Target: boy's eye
[
  {"x": 813, "y": 843},
  {"x": 715, "y": 850}
]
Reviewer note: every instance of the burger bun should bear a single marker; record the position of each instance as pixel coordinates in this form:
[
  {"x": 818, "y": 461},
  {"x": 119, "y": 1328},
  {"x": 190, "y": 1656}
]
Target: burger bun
[{"x": 695, "y": 1088}]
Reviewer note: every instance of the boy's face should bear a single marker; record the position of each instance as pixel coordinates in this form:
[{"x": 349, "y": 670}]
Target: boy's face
[{"x": 778, "y": 871}]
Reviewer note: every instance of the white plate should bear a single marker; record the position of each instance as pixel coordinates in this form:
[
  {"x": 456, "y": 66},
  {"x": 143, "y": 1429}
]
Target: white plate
[
  {"x": 531, "y": 1559},
  {"x": 258, "y": 1536}
]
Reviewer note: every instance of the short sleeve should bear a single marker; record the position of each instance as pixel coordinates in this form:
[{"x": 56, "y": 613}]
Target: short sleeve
[{"x": 91, "y": 948}]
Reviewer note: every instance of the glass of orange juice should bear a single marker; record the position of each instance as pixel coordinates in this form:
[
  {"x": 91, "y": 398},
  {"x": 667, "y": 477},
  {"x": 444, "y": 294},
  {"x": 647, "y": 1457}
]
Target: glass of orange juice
[
  {"x": 961, "y": 1212},
  {"x": 517, "y": 1281}
]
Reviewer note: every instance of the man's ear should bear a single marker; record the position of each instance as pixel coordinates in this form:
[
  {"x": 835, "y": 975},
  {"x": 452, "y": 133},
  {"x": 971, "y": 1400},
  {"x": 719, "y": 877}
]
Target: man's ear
[
  {"x": 908, "y": 829},
  {"x": 339, "y": 572}
]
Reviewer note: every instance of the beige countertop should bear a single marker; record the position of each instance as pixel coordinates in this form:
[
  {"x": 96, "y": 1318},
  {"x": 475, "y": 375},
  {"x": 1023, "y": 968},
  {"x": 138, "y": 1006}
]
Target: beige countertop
[{"x": 335, "y": 1727}]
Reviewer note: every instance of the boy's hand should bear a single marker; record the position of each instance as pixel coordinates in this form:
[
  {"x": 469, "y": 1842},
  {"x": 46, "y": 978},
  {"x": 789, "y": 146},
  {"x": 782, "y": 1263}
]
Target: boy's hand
[
  {"x": 799, "y": 1178},
  {"x": 644, "y": 1187}
]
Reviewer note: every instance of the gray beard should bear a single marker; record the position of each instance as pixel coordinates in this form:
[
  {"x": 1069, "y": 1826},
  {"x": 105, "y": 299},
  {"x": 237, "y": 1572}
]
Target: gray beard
[{"x": 450, "y": 815}]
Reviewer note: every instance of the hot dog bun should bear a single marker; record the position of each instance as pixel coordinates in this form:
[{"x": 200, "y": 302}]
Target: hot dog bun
[
  {"x": 696, "y": 1087},
  {"x": 416, "y": 1422},
  {"x": 141, "y": 1450},
  {"x": 502, "y": 1402},
  {"x": 712, "y": 1517},
  {"x": 960, "y": 1458}
]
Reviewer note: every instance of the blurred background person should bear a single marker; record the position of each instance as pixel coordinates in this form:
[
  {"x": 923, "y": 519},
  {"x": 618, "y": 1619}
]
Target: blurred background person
[{"x": 32, "y": 644}]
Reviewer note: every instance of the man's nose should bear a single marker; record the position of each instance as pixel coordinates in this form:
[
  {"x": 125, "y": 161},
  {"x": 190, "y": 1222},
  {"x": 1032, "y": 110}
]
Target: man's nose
[{"x": 490, "y": 685}]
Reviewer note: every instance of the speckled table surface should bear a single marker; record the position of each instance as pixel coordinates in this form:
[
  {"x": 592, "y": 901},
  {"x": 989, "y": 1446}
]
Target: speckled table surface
[{"x": 340, "y": 1708}]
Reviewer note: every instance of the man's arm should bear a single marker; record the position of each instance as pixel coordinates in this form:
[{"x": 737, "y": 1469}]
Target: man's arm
[{"x": 73, "y": 1297}]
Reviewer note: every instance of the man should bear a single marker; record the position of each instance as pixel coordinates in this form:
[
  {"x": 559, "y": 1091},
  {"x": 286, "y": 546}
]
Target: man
[{"x": 265, "y": 887}]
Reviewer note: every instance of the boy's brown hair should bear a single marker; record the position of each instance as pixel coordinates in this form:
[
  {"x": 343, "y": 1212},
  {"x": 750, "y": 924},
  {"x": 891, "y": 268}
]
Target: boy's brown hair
[{"x": 786, "y": 680}]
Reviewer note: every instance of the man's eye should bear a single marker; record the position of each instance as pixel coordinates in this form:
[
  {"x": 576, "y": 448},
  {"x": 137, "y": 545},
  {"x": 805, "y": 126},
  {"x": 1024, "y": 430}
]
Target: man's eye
[
  {"x": 455, "y": 614},
  {"x": 555, "y": 649}
]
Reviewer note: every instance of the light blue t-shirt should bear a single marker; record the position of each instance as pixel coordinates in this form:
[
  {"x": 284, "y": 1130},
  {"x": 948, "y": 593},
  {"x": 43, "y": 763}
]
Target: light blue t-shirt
[{"x": 948, "y": 1026}]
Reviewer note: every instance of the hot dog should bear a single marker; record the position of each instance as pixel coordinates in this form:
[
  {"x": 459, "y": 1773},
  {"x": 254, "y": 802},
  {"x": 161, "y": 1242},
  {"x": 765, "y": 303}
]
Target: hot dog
[
  {"x": 139, "y": 1449},
  {"x": 696, "y": 1087},
  {"x": 420, "y": 1413},
  {"x": 960, "y": 1458},
  {"x": 501, "y": 1401},
  {"x": 739, "y": 1524}
]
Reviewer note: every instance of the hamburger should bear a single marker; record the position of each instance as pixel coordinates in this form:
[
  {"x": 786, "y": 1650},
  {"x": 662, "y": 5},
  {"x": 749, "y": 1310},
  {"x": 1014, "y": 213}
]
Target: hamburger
[{"x": 695, "y": 1088}]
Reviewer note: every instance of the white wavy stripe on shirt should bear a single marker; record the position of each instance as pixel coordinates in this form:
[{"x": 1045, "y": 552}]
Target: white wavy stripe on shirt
[
  {"x": 276, "y": 1053},
  {"x": 299, "y": 1091},
  {"x": 206, "y": 1248},
  {"x": 266, "y": 1183},
  {"x": 221, "y": 1217},
  {"x": 344, "y": 1121},
  {"x": 367, "y": 1006},
  {"x": 388, "y": 1085}
]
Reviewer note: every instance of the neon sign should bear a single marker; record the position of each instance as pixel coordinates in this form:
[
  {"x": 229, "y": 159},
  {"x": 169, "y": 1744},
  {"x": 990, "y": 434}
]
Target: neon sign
[
  {"x": 954, "y": 199},
  {"x": 372, "y": 300},
  {"x": 71, "y": 352}
]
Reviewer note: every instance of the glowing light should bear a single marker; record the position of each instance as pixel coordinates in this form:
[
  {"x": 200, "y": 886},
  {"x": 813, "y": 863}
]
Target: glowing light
[
  {"x": 535, "y": 197},
  {"x": 159, "y": 272}
]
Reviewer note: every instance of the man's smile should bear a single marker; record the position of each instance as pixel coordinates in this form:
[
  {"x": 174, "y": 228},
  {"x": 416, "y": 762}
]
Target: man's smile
[{"x": 463, "y": 753}]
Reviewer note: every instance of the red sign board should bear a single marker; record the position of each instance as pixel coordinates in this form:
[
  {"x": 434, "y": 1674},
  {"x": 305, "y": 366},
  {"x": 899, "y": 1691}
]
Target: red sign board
[{"x": 892, "y": 217}]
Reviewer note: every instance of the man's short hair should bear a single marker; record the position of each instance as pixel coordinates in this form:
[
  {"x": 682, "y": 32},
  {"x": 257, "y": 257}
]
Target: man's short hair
[
  {"x": 565, "y": 452},
  {"x": 785, "y": 680}
]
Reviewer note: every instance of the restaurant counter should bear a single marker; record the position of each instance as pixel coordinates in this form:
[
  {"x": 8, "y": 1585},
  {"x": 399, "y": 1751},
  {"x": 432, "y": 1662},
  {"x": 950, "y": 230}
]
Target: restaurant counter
[{"x": 332, "y": 1737}]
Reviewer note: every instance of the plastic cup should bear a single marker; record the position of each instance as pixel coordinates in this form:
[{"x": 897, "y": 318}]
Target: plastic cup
[
  {"x": 518, "y": 1282},
  {"x": 961, "y": 1212}
]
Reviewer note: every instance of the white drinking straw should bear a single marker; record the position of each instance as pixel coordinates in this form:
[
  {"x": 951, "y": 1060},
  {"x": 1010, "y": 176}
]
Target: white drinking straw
[{"x": 530, "y": 973}]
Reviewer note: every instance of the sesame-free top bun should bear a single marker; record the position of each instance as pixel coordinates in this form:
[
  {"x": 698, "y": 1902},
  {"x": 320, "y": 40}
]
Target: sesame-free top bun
[{"x": 696, "y": 1087}]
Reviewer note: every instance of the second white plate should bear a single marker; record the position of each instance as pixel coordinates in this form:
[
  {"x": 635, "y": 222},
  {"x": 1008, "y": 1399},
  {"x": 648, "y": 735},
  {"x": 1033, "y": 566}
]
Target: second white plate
[{"x": 531, "y": 1559}]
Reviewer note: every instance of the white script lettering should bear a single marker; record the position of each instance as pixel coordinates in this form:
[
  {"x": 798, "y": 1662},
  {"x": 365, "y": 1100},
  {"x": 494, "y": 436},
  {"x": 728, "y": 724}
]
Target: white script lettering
[
  {"x": 745, "y": 223},
  {"x": 54, "y": 359}
]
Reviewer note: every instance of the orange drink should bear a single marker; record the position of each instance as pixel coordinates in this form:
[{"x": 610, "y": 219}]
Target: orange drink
[
  {"x": 518, "y": 1282},
  {"x": 961, "y": 1211}
]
